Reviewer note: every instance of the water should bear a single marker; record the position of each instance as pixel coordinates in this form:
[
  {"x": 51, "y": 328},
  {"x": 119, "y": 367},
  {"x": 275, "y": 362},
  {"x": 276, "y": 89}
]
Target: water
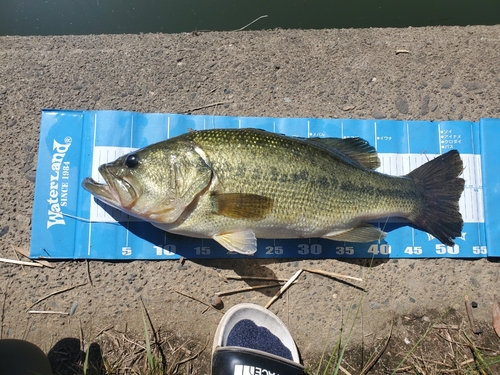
[{"x": 62, "y": 17}]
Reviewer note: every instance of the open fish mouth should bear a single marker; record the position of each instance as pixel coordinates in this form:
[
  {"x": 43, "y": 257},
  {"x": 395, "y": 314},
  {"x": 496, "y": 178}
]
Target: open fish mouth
[
  {"x": 116, "y": 191},
  {"x": 102, "y": 191}
]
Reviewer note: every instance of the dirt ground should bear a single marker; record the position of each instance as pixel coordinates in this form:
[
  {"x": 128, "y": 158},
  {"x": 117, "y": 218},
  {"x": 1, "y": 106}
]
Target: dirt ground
[{"x": 445, "y": 73}]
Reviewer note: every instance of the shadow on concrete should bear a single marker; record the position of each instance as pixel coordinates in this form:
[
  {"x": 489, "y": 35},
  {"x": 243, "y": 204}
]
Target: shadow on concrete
[{"x": 67, "y": 358}]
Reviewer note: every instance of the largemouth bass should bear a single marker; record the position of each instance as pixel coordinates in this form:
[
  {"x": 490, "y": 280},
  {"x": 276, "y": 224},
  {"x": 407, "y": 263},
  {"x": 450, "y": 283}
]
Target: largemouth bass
[{"x": 237, "y": 185}]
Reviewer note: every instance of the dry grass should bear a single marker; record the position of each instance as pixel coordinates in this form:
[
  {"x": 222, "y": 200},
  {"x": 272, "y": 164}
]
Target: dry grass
[
  {"x": 169, "y": 355},
  {"x": 122, "y": 352},
  {"x": 449, "y": 343},
  {"x": 441, "y": 349},
  {"x": 450, "y": 351},
  {"x": 111, "y": 351}
]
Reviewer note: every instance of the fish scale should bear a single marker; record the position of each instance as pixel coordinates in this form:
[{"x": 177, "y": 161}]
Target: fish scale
[{"x": 300, "y": 203}]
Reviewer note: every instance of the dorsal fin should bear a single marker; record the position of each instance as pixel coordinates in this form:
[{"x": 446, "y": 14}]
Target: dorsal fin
[{"x": 356, "y": 149}]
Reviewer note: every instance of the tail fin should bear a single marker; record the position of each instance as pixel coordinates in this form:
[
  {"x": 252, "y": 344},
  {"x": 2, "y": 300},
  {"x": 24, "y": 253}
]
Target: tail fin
[{"x": 441, "y": 188}]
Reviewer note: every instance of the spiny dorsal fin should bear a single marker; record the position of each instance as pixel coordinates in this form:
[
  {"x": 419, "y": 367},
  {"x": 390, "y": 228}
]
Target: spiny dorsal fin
[
  {"x": 243, "y": 242},
  {"x": 241, "y": 205},
  {"x": 357, "y": 149}
]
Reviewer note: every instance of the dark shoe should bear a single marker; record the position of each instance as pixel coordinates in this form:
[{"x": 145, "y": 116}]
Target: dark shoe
[
  {"x": 19, "y": 357},
  {"x": 252, "y": 340}
]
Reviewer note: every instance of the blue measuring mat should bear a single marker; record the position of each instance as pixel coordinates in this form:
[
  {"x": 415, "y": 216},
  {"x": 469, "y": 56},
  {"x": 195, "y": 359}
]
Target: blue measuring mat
[{"x": 69, "y": 223}]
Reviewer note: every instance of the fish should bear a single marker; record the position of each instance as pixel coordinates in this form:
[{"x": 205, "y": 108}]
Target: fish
[{"x": 238, "y": 185}]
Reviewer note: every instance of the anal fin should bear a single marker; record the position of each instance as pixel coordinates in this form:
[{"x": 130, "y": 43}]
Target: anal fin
[
  {"x": 362, "y": 233},
  {"x": 243, "y": 242}
]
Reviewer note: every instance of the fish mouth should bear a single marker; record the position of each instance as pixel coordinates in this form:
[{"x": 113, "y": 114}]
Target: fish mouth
[{"x": 116, "y": 191}]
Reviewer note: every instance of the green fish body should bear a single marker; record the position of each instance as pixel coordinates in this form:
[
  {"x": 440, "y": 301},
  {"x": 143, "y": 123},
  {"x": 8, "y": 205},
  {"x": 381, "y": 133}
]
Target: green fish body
[{"x": 237, "y": 185}]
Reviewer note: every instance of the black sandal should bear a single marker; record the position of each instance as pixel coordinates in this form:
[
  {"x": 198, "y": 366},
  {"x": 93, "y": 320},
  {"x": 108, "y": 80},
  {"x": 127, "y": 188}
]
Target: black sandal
[{"x": 251, "y": 340}]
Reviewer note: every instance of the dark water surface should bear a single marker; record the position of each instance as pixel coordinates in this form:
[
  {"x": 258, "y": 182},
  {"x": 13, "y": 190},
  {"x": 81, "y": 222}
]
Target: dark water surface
[{"x": 62, "y": 17}]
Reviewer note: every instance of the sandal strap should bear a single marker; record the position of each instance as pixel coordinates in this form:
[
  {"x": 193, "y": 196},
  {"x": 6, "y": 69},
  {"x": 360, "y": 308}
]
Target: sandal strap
[{"x": 232, "y": 360}]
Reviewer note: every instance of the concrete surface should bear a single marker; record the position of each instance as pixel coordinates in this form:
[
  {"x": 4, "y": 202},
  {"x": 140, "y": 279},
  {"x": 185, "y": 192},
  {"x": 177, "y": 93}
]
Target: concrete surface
[{"x": 446, "y": 73}]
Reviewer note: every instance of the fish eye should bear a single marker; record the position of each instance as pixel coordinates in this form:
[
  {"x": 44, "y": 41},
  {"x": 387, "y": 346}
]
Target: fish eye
[{"x": 132, "y": 161}]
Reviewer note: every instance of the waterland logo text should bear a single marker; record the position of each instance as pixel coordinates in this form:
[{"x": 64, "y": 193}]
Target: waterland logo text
[{"x": 58, "y": 191}]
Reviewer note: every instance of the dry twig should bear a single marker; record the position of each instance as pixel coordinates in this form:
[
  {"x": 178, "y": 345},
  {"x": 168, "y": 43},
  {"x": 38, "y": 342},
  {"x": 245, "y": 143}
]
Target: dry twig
[
  {"x": 284, "y": 288},
  {"x": 446, "y": 326},
  {"x": 89, "y": 279},
  {"x": 20, "y": 262},
  {"x": 17, "y": 256},
  {"x": 48, "y": 312},
  {"x": 57, "y": 292},
  {"x": 332, "y": 274},
  {"x": 182, "y": 361},
  {"x": 473, "y": 326},
  {"x": 254, "y": 278},
  {"x": 234, "y": 291},
  {"x": 26, "y": 254},
  {"x": 112, "y": 338},
  {"x": 344, "y": 370},
  {"x": 103, "y": 331},
  {"x": 3, "y": 314},
  {"x": 205, "y": 106},
  {"x": 197, "y": 300},
  {"x": 369, "y": 366}
]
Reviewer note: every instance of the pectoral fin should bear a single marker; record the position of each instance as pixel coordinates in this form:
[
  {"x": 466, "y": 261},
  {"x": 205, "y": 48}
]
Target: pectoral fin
[
  {"x": 243, "y": 242},
  {"x": 241, "y": 206},
  {"x": 363, "y": 233}
]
